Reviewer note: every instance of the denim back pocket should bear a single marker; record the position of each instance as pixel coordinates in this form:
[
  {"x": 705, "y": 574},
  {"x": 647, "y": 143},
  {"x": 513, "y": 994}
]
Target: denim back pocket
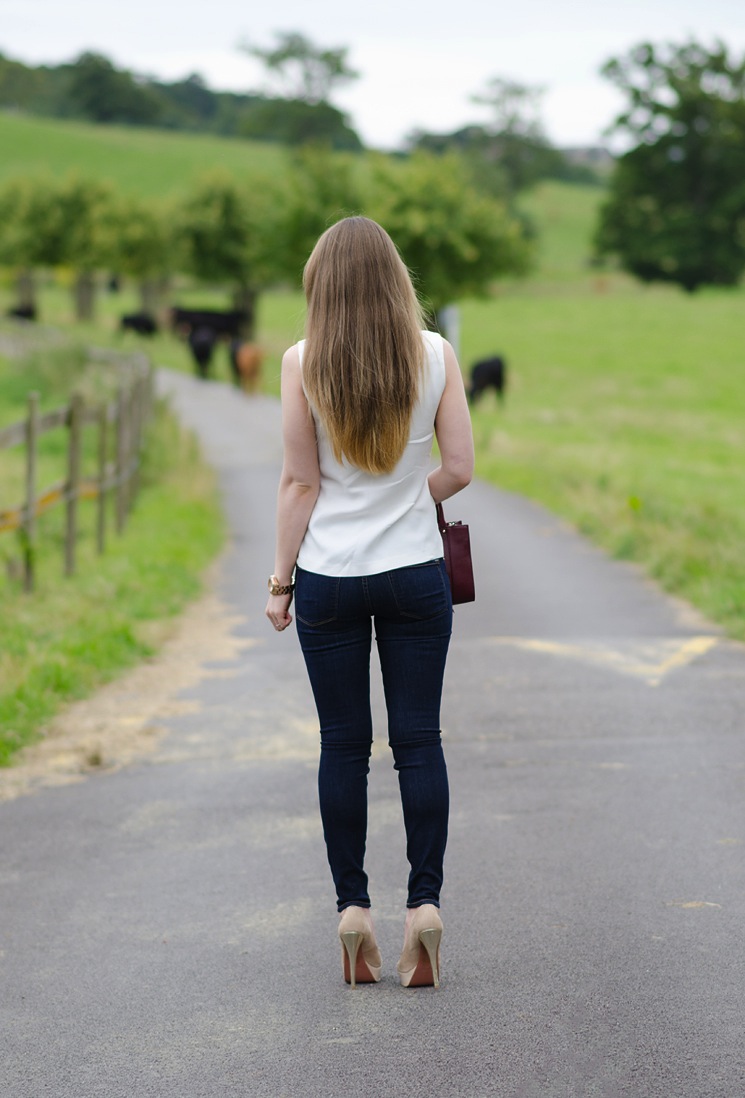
[
  {"x": 421, "y": 591},
  {"x": 316, "y": 598}
]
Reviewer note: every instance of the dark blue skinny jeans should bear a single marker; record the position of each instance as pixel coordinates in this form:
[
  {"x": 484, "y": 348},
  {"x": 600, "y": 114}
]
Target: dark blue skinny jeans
[{"x": 412, "y": 611}]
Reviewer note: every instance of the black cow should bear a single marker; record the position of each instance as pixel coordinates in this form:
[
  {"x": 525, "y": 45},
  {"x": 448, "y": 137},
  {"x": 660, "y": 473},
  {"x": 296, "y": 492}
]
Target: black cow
[
  {"x": 225, "y": 323},
  {"x": 202, "y": 342},
  {"x": 142, "y": 323},
  {"x": 23, "y": 312},
  {"x": 203, "y": 328},
  {"x": 488, "y": 373}
]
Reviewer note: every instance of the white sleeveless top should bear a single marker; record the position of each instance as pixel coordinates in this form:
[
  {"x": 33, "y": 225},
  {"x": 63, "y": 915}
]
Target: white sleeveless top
[{"x": 363, "y": 524}]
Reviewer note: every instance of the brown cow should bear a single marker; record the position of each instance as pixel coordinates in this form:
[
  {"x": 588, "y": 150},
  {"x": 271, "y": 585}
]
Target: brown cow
[{"x": 246, "y": 360}]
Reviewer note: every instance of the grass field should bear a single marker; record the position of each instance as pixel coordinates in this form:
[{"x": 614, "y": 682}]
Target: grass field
[
  {"x": 626, "y": 414},
  {"x": 139, "y": 161},
  {"x": 626, "y": 405}
]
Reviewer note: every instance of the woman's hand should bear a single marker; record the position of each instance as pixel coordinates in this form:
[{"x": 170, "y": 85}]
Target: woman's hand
[{"x": 278, "y": 611}]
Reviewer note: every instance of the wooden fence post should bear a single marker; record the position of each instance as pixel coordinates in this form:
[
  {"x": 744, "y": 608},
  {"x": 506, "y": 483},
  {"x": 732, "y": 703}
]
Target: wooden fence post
[
  {"x": 73, "y": 481},
  {"x": 29, "y": 520},
  {"x": 121, "y": 460},
  {"x": 103, "y": 440},
  {"x": 131, "y": 443},
  {"x": 141, "y": 414}
]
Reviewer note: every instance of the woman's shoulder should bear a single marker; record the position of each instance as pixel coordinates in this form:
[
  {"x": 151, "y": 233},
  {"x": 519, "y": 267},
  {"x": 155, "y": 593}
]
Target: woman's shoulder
[
  {"x": 432, "y": 339},
  {"x": 435, "y": 346},
  {"x": 292, "y": 359}
]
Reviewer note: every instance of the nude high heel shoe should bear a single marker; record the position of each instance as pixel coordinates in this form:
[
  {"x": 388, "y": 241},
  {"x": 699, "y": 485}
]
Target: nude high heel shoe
[
  {"x": 419, "y": 964},
  {"x": 360, "y": 956}
]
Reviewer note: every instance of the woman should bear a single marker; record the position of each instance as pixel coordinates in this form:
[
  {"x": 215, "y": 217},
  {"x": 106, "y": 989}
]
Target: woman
[{"x": 362, "y": 397}]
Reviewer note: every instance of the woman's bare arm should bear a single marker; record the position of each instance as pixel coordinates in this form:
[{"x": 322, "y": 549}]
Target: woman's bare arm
[
  {"x": 299, "y": 483},
  {"x": 454, "y": 434}
]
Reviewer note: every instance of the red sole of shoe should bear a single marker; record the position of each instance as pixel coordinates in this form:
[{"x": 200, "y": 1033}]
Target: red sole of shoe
[
  {"x": 423, "y": 975},
  {"x": 362, "y": 973}
]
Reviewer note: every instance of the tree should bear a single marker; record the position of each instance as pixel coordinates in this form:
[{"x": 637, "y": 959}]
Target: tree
[
  {"x": 49, "y": 224},
  {"x": 305, "y": 71},
  {"x": 302, "y": 113},
  {"x": 455, "y": 240},
  {"x": 511, "y": 152},
  {"x": 106, "y": 94},
  {"x": 142, "y": 245},
  {"x": 228, "y": 233},
  {"x": 320, "y": 188},
  {"x": 32, "y": 232},
  {"x": 85, "y": 207},
  {"x": 297, "y": 122},
  {"x": 676, "y": 210}
]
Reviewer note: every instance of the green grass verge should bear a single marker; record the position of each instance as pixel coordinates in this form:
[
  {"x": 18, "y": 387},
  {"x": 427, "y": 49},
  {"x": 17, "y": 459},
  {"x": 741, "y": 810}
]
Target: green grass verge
[{"x": 72, "y": 635}]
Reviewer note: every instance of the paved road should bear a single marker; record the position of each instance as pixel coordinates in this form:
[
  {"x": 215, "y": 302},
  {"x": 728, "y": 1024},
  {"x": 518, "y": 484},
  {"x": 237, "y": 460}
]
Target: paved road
[{"x": 168, "y": 929}]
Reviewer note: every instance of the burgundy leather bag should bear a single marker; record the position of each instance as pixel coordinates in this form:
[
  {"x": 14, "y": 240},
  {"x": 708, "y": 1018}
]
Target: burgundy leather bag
[{"x": 456, "y": 544}]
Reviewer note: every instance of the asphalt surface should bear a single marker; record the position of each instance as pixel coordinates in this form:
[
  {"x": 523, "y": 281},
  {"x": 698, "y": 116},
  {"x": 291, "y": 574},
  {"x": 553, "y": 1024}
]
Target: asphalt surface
[{"x": 169, "y": 929}]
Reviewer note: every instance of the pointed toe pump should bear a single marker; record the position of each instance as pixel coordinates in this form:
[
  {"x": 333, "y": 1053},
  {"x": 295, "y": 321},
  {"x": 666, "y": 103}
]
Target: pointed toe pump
[
  {"x": 419, "y": 964},
  {"x": 360, "y": 956}
]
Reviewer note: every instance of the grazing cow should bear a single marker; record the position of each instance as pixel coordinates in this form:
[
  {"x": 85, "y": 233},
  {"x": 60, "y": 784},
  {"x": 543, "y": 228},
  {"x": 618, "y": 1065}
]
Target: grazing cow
[
  {"x": 227, "y": 323},
  {"x": 23, "y": 312},
  {"x": 245, "y": 362},
  {"x": 488, "y": 373},
  {"x": 142, "y": 323},
  {"x": 202, "y": 343},
  {"x": 203, "y": 328}
]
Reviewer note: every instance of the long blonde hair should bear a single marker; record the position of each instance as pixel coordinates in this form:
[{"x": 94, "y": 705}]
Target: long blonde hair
[{"x": 364, "y": 352}]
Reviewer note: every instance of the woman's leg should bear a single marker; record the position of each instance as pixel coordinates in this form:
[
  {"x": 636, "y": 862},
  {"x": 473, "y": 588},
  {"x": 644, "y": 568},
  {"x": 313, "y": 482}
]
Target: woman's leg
[
  {"x": 335, "y": 637},
  {"x": 413, "y": 635}
]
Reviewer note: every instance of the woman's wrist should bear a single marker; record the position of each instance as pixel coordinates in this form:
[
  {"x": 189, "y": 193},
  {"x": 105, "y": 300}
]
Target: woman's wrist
[{"x": 278, "y": 586}]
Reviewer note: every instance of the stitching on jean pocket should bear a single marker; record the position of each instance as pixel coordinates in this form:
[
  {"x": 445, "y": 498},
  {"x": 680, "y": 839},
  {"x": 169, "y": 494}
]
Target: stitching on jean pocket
[
  {"x": 315, "y": 623},
  {"x": 399, "y": 600}
]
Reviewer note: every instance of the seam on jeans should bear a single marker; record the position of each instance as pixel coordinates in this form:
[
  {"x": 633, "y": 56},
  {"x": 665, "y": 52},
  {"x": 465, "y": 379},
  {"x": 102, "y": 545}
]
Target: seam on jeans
[{"x": 366, "y": 594}]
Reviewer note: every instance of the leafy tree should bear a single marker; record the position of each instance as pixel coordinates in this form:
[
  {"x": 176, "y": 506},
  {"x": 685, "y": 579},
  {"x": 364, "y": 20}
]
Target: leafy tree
[
  {"x": 676, "y": 210},
  {"x": 49, "y": 224},
  {"x": 19, "y": 84},
  {"x": 32, "y": 231},
  {"x": 319, "y": 189},
  {"x": 228, "y": 233},
  {"x": 511, "y": 152},
  {"x": 106, "y": 94},
  {"x": 40, "y": 90},
  {"x": 297, "y": 122},
  {"x": 191, "y": 98},
  {"x": 514, "y": 142},
  {"x": 302, "y": 113},
  {"x": 305, "y": 71},
  {"x": 142, "y": 245},
  {"x": 85, "y": 208},
  {"x": 455, "y": 240}
]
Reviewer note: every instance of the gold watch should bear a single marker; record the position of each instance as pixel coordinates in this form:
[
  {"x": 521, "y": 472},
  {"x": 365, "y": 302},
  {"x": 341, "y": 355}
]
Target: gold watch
[{"x": 277, "y": 588}]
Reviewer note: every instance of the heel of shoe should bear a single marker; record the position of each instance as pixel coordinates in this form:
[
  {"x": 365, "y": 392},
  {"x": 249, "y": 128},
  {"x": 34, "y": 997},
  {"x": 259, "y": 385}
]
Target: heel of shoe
[
  {"x": 430, "y": 939},
  {"x": 351, "y": 941},
  {"x": 419, "y": 964}
]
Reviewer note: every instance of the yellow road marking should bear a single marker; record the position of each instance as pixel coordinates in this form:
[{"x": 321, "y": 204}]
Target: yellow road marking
[
  {"x": 692, "y": 904},
  {"x": 649, "y": 660}
]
